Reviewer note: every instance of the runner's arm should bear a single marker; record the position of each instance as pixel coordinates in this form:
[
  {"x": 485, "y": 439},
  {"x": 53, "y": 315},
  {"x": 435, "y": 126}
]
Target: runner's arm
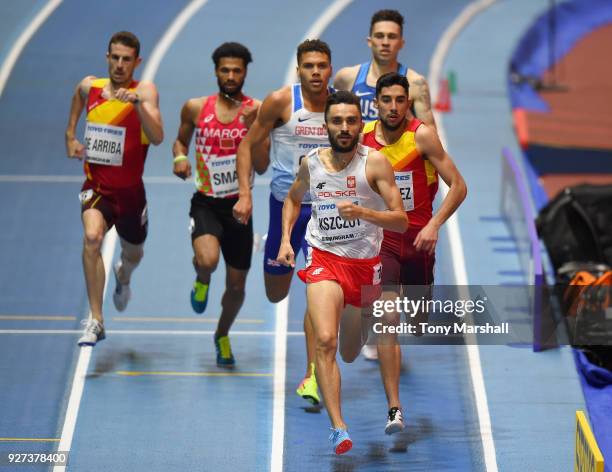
[
  {"x": 147, "y": 106},
  {"x": 261, "y": 151},
  {"x": 345, "y": 78},
  {"x": 74, "y": 148},
  {"x": 429, "y": 145},
  {"x": 180, "y": 149},
  {"x": 380, "y": 174},
  {"x": 422, "y": 100},
  {"x": 291, "y": 212},
  {"x": 269, "y": 113}
]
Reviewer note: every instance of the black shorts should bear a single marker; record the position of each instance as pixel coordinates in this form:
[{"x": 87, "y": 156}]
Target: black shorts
[
  {"x": 125, "y": 208},
  {"x": 214, "y": 216}
]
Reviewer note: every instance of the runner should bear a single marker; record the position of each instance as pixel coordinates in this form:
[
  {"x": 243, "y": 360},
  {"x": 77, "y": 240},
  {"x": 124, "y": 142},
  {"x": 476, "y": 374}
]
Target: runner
[
  {"x": 412, "y": 148},
  {"x": 385, "y": 41},
  {"x": 293, "y": 118},
  {"x": 220, "y": 122},
  {"x": 123, "y": 117},
  {"x": 351, "y": 187}
]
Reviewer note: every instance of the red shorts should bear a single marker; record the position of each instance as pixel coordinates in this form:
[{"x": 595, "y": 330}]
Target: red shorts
[
  {"x": 402, "y": 263},
  {"x": 359, "y": 278},
  {"x": 126, "y": 208}
]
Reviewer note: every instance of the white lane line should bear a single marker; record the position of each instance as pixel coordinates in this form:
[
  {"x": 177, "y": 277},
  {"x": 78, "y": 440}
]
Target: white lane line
[
  {"x": 315, "y": 31},
  {"x": 80, "y": 372},
  {"x": 161, "y": 48},
  {"x": 22, "y": 41},
  {"x": 147, "y": 332},
  {"x": 110, "y": 240},
  {"x": 278, "y": 406},
  {"x": 63, "y": 179},
  {"x": 454, "y": 232},
  {"x": 282, "y": 308}
]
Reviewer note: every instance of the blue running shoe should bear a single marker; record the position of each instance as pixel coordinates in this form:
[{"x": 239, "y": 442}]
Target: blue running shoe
[
  {"x": 225, "y": 358},
  {"x": 199, "y": 297},
  {"x": 341, "y": 442}
]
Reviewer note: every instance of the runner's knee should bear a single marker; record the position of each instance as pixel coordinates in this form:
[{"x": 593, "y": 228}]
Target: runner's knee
[
  {"x": 235, "y": 288},
  {"x": 275, "y": 294},
  {"x": 327, "y": 342},
  {"x": 134, "y": 254},
  {"x": 93, "y": 239},
  {"x": 206, "y": 260}
]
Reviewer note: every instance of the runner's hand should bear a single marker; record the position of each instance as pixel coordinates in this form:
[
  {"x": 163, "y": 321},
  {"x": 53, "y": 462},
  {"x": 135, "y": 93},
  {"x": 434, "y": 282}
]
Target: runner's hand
[
  {"x": 426, "y": 239},
  {"x": 348, "y": 210},
  {"x": 249, "y": 113},
  {"x": 242, "y": 209},
  {"x": 75, "y": 149},
  {"x": 125, "y": 95},
  {"x": 286, "y": 256},
  {"x": 182, "y": 169}
]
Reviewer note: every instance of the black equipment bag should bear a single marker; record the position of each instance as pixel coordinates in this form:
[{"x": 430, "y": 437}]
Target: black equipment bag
[{"x": 577, "y": 225}]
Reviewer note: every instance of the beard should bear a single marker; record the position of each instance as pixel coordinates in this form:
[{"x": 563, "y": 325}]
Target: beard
[
  {"x": 232, "y": 93},
  {"x": 389, "y": 127},
  {"x": 337, "y": 147}
]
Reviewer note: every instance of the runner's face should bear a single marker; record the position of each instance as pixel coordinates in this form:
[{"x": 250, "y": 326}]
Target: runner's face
[
  {"x": 393, "y": 105},
  {"x": 122, "y": 61},
  {"x": 343, "y": 126},
  {"x": 314, "y": 71},
  {"x": 385, "y": 41},
  {"x": 230, "y": 73}
]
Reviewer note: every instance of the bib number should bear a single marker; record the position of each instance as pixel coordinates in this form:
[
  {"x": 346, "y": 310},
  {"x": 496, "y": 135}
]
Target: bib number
[
  {"x": 332, "y": 227},
  {"x": 406, "y": 188},
  {"x": 104, "y": 144}
]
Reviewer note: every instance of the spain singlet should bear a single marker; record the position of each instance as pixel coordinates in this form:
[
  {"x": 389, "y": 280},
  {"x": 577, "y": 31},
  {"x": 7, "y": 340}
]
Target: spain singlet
[
  {"x": 413, "y": 172},
  {"x": 367, "y": 93},
  {"x": 216, "y": 145},
  {"x": 327, "y": 230},
  {"x": 116, "y": 145},
  {"x": 292, "y": 141}
]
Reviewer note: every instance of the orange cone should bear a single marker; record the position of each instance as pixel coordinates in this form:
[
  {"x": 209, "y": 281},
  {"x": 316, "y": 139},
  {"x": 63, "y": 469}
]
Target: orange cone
[{"x": 443, "y": 103}]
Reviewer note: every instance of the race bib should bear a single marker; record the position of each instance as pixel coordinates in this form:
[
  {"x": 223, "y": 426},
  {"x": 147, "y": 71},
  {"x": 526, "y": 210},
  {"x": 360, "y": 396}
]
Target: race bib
[
  {"x": 223, "y": 175},
  {"x": 404, "y": 183},
  {"x": 104, "y": 144},
  {"x": 332, "y": 227}
]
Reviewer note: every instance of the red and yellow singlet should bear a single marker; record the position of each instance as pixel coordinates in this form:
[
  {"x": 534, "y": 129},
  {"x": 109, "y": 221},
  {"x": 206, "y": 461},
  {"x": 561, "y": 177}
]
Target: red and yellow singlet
[
  {"x": 414, "y": 174},
  {"x": 116, "y": 145}
]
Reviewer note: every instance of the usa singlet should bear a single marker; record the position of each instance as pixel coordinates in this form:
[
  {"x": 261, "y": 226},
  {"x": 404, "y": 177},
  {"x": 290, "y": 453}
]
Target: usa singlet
[{"x": 367, "y": 93}]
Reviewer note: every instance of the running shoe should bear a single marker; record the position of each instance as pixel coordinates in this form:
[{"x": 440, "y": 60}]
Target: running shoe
[
  {"x": 225, "y": 358},
  {"x": 341, "y": 442},
  {"x": 395, "y": 421},
  {"x": 93, "y": 332},
  {"x": 308, "y": 389},
  {"x": 369, "y": 352},
  {"x": 122, "y": 293},
  {"x": 199, "y": 297}
]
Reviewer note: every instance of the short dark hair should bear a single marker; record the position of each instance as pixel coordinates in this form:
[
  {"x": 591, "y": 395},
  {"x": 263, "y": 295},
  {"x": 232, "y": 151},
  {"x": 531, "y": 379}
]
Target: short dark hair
[
  {"x": 389, "y": 79},
  {"x": 388, "y": 15},
  {"x": 127, "y": 39},
  {"x": 342, "y": 96},
  {"x": 313, "y": 45},
  {"x": 231, "y": 49}
]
